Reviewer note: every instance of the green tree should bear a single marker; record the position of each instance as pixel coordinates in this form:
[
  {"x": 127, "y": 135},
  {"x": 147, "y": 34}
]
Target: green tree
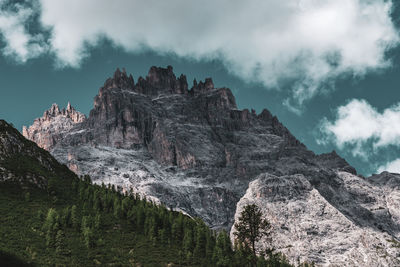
[
  {"x": 126, "y": 205},
  {"x": 51, "y": 219},
  {"x": 59, "y": 241},
  {"x": 117, "y": 210},
  {"x": 74, "y": 217},
  {"x": 27, "y": 197},
  {"x": 66, "y": 217},
  {"x": 177, "y": 229},
  {"x": 251, "y": 227},
  {"x": 97, "y": 204},
  {"x": 87, "y": 179},
  {"x": 188, "y": 240},
  {"x": 49, "y": 238},
  {"x": 88, "y": 236},
  {"x": 51, "y": 186},
  {"x": 51, "y": 226},
  {"x": 86, "y": 223},
  {"x": 200, "y": 248},
  {"x": 140, "y": 218},
  {"x": 97, "y": 221},
  {"x": 223, "y": 250}
]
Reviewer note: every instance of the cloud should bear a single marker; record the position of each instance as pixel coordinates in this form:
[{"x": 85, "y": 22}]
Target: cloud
[
  {"x": 362, "y": 128},
  {"x": 393, "y": 166},
  {"x": 303, "y": 45},
  {"x": 19, "y": 43}
]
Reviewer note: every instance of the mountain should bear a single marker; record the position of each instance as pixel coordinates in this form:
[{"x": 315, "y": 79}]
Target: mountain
[
  {"x": 55, "y": 120},
  {"x": 50, "y": 217},
  {"x": 193, "y": 150},
  {"x": 22, "y": 161}
]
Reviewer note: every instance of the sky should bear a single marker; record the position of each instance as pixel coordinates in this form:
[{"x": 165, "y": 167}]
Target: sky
[{"x": 328, "y": 69}]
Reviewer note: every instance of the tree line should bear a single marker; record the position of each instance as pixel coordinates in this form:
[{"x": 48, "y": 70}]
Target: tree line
[{"x": 196, "y": 243}]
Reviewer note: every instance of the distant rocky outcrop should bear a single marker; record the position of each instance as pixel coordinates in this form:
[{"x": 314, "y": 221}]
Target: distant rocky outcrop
[
  {"x": 308, "y": 226},
  {"x": 195, "y": 151},
  {"x": 49, "y": 129}
]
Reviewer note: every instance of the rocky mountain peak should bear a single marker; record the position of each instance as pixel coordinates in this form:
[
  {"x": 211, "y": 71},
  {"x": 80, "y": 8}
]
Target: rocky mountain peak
[
  {"x": 158, "y": 81},
  {"x": 69, "y": 107},
  {"x": 161, "y": 77},
  {"x": 161, "y": 81},
  {"x": 69, "y": 112},
  {"x": 202, "y": 87},
  {"x": 53, "y": 111},
  {"x": 120, "y": 80},
  {"x": 46, "y": 131}
]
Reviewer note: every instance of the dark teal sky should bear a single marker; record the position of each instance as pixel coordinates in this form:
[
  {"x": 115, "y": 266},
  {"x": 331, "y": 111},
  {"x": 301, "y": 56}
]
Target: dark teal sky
[{"x": 28, "y": 89}]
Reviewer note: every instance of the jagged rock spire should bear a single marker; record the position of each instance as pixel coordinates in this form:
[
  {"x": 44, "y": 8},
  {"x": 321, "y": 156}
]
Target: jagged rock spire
[
  {"x": 69, "y": 107},
  {"x": 158, "y": 81},
  {"x": 202, "y": 87},
  {"x": 163, "y": 80},
  {"x": 120, "y": 80},
  {"x": 54, "y": 120},
  {"x": 54, "y": 110}
]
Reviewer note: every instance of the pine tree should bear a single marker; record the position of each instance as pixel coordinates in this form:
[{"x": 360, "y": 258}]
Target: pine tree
[
  {"x": 87, "y": 179},
  {"x": 49, "y": 238},
  {"x": 51, "y": 226},
  {"x": 251, "y": 227},
  {"x": 163, "y": 236},
  {"x": 27, "y": 197},
  {"x": 88, "y": 236},
  {"x": 51, "y": 219},
  {"x": 81, "y": 189},
  {"x": 97, "y": 221},
  {"x": 86, "y": 209},
  {"x": 188, "y": 240},
  {"x": 59, "y": 241},
  {"x": 66, "y": 217},
  {"x": 200, "y": 248},
  {"x": 117, "y": 210},
  {"x": 222, "y": 255},
  {"x": 74, "y": 217},
  {"x": 177, "y": 229},
  {"x": 85, "y": 223},
  {"x": 126, "y": 206},
  {"x": 210, "y": 244},
  {"x": 97, "y": 201},
  {"x": 140, "y": 215},
  {"x": 132, "y": 216}
]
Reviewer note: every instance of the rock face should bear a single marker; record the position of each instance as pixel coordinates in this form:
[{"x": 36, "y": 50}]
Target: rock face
[
  {"x": 49, "y": 129},
  {"x": 337, "y": 231},
  {"x": 193, "y": 150}
]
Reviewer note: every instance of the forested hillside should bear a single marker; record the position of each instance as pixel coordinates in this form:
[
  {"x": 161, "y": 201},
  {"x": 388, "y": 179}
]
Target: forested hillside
[{"x": 52, "y": 217}]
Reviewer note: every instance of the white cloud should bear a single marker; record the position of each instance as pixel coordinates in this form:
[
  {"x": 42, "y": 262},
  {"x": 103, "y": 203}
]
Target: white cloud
[
  {"x": 20, "y": 45},
  {"x": 362, "y": 128},
  {"x": 270, "y": 41},
  {"x": 304, "y": 43},
  {"x": 393, "y": 166}
]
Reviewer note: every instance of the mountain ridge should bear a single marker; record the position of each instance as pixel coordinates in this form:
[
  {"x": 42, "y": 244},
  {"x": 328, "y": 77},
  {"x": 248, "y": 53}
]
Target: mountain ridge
[{"x": 194, "y": 151}]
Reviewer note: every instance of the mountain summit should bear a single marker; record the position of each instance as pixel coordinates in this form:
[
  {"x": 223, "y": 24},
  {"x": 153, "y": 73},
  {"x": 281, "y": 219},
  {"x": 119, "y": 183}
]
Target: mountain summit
[
  {"x": 194, "y": 151},
  {"x": 48, "y": 130}
]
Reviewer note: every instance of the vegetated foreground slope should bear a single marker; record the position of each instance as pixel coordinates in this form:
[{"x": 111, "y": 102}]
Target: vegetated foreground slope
[
  {"x": 51, "y": 217},
  {"x": 193, "y": 150}
]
